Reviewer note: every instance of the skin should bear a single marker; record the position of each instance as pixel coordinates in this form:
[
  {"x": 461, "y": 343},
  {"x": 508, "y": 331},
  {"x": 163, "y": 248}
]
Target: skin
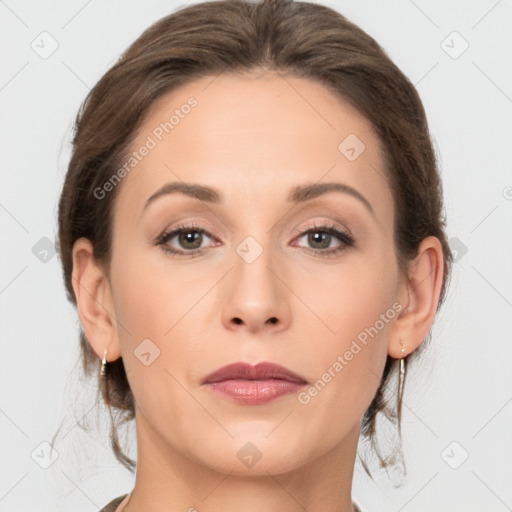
[{"x": 253, "y": 137}]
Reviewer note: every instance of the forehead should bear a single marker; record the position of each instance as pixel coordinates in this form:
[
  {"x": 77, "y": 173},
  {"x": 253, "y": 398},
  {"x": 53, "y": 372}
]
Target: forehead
[{"x": 254, "y": 136}]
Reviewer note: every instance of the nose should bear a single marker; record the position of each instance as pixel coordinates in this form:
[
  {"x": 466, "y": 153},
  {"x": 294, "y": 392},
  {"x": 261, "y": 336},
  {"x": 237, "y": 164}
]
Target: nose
[{"x": 255, "y": 296}]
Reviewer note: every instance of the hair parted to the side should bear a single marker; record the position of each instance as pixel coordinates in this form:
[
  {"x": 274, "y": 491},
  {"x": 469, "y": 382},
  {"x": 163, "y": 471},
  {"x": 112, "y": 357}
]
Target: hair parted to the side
[{"x": 308, "y": 40}]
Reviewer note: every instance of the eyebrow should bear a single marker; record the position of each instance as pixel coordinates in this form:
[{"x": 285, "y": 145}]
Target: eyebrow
[{"x": 298, "y": 194}]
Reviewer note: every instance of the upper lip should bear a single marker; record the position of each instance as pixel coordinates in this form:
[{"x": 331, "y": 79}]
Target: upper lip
[{"x": 261, "y": 371}]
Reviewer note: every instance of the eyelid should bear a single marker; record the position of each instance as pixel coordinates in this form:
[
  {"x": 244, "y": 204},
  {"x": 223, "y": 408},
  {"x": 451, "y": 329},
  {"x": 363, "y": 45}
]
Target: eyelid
[{"x": 322, "y": 224}]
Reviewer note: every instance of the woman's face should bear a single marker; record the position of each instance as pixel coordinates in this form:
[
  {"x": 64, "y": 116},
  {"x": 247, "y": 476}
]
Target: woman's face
[{"x": 258, "y": 275}]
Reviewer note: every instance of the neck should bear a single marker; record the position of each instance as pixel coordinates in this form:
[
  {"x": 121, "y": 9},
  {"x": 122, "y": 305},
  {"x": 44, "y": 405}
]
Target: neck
[{"x": 168, "y": 480}]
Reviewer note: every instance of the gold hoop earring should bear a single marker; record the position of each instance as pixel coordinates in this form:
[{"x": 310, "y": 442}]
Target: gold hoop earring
[
  {"x": 401, "y": 381},
  {"x": 103, "y": 370}
]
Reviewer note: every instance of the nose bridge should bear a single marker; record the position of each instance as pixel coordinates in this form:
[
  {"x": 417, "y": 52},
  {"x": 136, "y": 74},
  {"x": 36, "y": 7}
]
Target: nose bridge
[
  {"x": 253, "y": 261},
  {"x": 254, "y": 253}
]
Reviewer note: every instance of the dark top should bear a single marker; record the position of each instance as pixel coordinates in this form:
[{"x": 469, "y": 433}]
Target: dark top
[{"x": 111, "y": 507}]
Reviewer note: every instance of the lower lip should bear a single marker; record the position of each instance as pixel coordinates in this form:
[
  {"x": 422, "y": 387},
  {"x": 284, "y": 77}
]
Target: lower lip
[{"x": 254, "y": 392}]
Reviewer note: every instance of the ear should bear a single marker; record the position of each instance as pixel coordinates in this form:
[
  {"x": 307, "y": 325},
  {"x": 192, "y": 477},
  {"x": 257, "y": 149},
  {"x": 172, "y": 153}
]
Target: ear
[
  {"x": 419, "y": 294},
  {"x": 94, "y": 300}
]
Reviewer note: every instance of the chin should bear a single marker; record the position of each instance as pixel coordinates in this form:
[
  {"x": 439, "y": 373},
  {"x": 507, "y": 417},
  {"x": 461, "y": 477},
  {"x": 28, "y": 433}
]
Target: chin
[{"x": 256, "y": 454}]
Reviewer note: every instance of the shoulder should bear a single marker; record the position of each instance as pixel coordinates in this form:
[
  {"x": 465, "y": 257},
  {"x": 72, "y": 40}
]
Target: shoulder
[{"x": 111, "y": 507}]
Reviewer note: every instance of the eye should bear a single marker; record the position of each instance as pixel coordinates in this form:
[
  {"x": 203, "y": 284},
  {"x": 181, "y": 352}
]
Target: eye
[
  {"x": 189, "y": 237},
  {"x": 322, "y": 236}
]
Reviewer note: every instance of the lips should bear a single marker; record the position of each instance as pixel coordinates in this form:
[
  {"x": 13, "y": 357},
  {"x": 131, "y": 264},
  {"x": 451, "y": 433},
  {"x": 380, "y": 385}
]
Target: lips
[
  {"x": 253, "y": 385},
  {"x": 262, "y": 371}
]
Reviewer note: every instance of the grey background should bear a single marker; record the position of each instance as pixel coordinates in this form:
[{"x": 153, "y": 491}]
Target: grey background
[{"x": 457, "y": 404}]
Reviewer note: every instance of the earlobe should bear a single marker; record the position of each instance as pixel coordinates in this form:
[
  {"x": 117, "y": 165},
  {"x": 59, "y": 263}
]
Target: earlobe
[
  {"x": 94, "y": 301},
  {"x": 421, "y": 292}
]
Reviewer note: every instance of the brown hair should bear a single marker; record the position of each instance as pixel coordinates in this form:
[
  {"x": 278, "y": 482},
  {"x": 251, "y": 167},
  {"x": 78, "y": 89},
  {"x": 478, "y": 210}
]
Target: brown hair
[{"x": 308, "y": 40}]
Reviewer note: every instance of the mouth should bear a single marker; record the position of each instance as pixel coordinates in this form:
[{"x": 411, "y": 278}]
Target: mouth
[{"x": 245, "y": 384}]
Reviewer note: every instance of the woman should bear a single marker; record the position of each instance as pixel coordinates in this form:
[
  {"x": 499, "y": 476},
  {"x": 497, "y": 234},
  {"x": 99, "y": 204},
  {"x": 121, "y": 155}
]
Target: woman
[{"x": 251, "y": 230}]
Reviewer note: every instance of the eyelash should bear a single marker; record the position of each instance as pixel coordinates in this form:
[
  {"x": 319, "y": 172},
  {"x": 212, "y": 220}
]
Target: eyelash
[{"x": 329, "y": 229}]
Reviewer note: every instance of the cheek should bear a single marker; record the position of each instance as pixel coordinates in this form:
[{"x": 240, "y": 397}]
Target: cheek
[
  {"x": 350, "y": 297},
  {"x": 150, "y": 296},
  {"x": 357, "y": 307},
  {"x": 158, "y": 308},
  {"x": 142, "y": 306},
  {"x": 151, "y": 309}
]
